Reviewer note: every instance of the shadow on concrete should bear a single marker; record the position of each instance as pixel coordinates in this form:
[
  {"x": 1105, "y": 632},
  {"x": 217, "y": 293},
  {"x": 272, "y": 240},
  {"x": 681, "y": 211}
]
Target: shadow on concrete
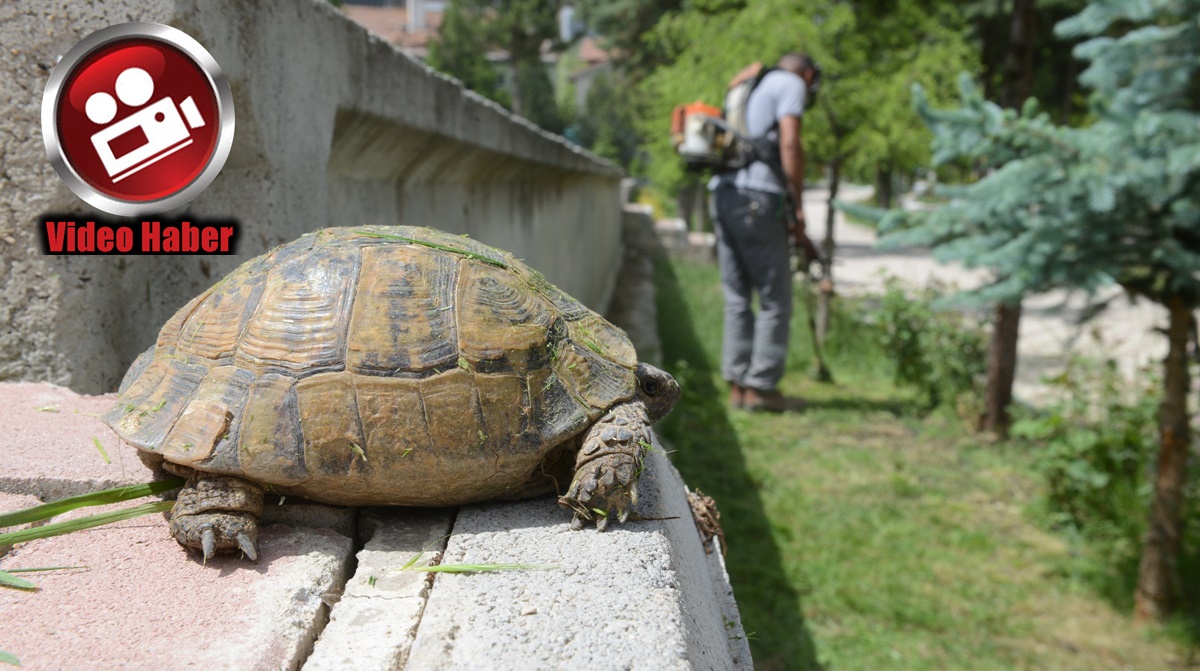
[{"x": 769, "y": 604}]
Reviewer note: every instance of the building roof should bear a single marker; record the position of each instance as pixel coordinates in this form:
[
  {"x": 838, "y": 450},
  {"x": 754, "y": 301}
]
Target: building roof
[
  {"x": 591, "y": 52},
  {"x": 391, "y": 24}
]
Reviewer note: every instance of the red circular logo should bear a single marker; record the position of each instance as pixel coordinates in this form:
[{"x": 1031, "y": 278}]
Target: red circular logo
[{"x": 142, "y": 118}]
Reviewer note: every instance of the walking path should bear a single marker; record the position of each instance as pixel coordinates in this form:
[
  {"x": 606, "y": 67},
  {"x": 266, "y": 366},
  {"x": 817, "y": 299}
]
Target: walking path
[{"x": 1126, "y": 331}]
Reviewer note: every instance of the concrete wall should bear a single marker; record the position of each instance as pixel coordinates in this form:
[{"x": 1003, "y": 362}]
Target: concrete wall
[{"x": 334, "y": 128}]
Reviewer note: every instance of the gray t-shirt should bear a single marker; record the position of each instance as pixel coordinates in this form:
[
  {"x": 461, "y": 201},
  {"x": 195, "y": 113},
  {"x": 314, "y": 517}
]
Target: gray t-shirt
[{"x": 779, "y": 94}]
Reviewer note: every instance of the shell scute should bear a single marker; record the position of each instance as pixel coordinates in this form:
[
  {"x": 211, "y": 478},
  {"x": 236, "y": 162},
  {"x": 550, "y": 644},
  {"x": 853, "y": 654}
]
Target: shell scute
[
  {"x": 300, "y": 321},
  {"x": 403, "y": 317}
]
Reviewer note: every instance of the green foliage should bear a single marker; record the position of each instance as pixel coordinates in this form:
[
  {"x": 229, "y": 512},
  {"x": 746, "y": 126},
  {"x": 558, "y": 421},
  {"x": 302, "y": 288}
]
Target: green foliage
[
  {"x": 537, "y": 91},
  {"x": 458, "y": 52},
  {"x": 609, "y": 126},
  {"x": 1063, "y": 207},
  {"x": 1095, "y": 446},
  {"x": 864, "y": 537},
  {"x": 939, "y": 353},
  {"x": 518, "y": 27},
  {"x": 871, "y": 53},
  {"x": 625, "y": 25}
]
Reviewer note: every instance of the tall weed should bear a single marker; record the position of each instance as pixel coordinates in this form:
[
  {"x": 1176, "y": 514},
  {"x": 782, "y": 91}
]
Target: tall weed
[
  {"x": 1096, "y": 447},
  {"x": 940, "y": 353}
]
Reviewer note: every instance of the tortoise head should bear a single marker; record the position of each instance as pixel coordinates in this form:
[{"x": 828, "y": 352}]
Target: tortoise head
[{"x": 657, "y": 389}]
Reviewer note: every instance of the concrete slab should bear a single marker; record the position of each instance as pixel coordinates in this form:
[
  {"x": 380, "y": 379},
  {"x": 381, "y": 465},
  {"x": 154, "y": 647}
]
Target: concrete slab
[
  {"x": 374, "y": 624},
  {"x": 298, "y": 512},
  {"x": 144, "y": 602},
  {"x": 48, "y": 449},
  {"x": 637, "y": 596}
]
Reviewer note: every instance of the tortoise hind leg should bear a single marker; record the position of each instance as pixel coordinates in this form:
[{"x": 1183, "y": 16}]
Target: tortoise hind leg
[
  {"x": 608, "y": 466},
  {"x": 218, "y": 513}
]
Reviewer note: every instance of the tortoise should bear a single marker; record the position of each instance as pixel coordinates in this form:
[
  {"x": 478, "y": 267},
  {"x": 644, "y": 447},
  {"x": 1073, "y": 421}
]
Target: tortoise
[{"x": 388, "y": 365}]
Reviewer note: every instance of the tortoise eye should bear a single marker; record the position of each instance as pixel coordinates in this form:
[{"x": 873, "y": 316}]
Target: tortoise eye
[{"x": 651, "y": 386}]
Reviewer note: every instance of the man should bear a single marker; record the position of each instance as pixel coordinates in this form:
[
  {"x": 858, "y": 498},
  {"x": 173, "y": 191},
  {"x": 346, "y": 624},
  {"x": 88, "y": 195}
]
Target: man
[{"x": 752, "y": 240}]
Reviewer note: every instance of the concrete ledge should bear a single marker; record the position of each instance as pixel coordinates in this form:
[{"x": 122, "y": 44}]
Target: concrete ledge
[
  {"x": 641, "y": 595},
  {"x": 143, "y": 602}
]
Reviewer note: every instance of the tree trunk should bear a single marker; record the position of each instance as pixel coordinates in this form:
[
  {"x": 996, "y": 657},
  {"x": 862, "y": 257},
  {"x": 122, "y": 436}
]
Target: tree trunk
[
  {"x": 699, "y": 210},
  {"x": 1018, "y": 65},
  {"x": 1002, "y": 368},
  {"x": 883, "y": 187},
  {"x": 1068, "y": 98},
  {"x": 825, "y": 290},
  {"x": 685, "y": 201},
  {"x": 1158, "y": 578}
]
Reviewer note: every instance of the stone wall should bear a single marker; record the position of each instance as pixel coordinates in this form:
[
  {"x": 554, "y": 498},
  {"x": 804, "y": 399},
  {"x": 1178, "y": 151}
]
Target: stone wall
[{"x": 334, "y": 128}]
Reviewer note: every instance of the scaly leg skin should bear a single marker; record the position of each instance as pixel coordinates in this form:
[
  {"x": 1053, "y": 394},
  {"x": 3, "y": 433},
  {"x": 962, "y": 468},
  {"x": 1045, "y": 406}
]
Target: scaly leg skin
[
  {"x": 218, "y": 513},
  {"x": 608, "y": 466}
]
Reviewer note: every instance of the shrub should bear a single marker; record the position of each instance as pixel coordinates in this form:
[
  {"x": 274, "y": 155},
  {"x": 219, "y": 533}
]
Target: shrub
[
  {"x": 940, "y": 353},
  {"x": 1096, "y": 447}
]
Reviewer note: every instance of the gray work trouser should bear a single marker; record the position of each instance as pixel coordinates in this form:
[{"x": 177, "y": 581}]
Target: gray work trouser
[{"x": 754, "y": 256}]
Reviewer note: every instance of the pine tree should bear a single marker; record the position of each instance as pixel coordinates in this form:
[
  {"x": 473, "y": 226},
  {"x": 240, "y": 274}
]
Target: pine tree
[
  {"x": 459, "y": 52},
  {"x": 518, "y": 27},
  {"x": 1117, "y": 201}
]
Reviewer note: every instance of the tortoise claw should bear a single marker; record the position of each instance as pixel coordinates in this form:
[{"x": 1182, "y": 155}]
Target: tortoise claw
[
  {"x": 576, "y": 522},
  {"x": 208, "y": 542},
  {"x": 602, "y": 523},
  {"x": 247, "y": 546}
]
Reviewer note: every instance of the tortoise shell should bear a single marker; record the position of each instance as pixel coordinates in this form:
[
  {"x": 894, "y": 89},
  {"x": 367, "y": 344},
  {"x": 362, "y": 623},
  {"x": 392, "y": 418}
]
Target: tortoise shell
[{"x": 377, "y": 366}]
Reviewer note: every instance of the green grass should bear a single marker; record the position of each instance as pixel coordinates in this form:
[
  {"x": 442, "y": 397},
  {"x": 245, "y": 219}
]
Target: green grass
[{"x": 863, "y": 535}]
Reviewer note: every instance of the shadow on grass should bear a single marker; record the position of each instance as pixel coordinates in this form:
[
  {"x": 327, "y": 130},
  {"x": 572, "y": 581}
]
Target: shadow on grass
[{"x": 709, "y": 457}]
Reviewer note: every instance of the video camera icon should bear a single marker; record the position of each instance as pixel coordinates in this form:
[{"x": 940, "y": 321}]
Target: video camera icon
[
  {"x": 144, "y": 137},
  {"x": 137, "y": 118}
]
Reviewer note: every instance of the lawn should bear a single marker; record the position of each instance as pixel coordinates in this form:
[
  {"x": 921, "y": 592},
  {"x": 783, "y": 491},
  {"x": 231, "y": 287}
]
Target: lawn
[{"x": 864, "y": 535}]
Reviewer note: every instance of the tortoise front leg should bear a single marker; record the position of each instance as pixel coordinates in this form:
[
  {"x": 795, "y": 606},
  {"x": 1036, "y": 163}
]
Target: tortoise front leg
[
  {"x": 608, "y": 466},
  {"x": 218, "y": 513}
]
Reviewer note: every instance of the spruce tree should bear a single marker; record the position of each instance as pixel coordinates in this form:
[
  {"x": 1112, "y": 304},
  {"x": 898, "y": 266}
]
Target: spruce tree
[{"x": 1117, "y": 201}]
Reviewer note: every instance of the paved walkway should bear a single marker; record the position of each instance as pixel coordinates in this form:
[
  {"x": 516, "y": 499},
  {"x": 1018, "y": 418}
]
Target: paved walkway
[{"x": 1049, "y": 330}]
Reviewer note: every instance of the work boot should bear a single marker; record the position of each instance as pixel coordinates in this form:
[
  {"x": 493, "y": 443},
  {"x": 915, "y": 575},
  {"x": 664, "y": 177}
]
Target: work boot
[
  {"x": 769, "y": 400},
  {"x": 736, "y": 395}
]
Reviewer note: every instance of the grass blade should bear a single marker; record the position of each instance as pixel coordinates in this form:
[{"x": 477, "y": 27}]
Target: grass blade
[
  {"x": 59, "y": 528},
  {"x": 9, "y": 658},
  {"x": 434, "y": 245},
  {"x": 477, "y": 568},
  {"x": 9, "y": 580},
  {"x": 43, "y": 568},
  {"x": 96, "y": 442},
  {"x": 115, "y": 495}
]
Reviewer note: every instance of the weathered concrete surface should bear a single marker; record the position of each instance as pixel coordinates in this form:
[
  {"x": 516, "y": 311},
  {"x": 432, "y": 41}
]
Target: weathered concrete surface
[
  {"x": 333, "y": 128},
  {"x": 144, "y": 602},
  {"x": 373, "y": 625},
  {"x": 639, "y": 595},
  {"x": 49, "y": 450},
  {"x": 643, "y": 594}
]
